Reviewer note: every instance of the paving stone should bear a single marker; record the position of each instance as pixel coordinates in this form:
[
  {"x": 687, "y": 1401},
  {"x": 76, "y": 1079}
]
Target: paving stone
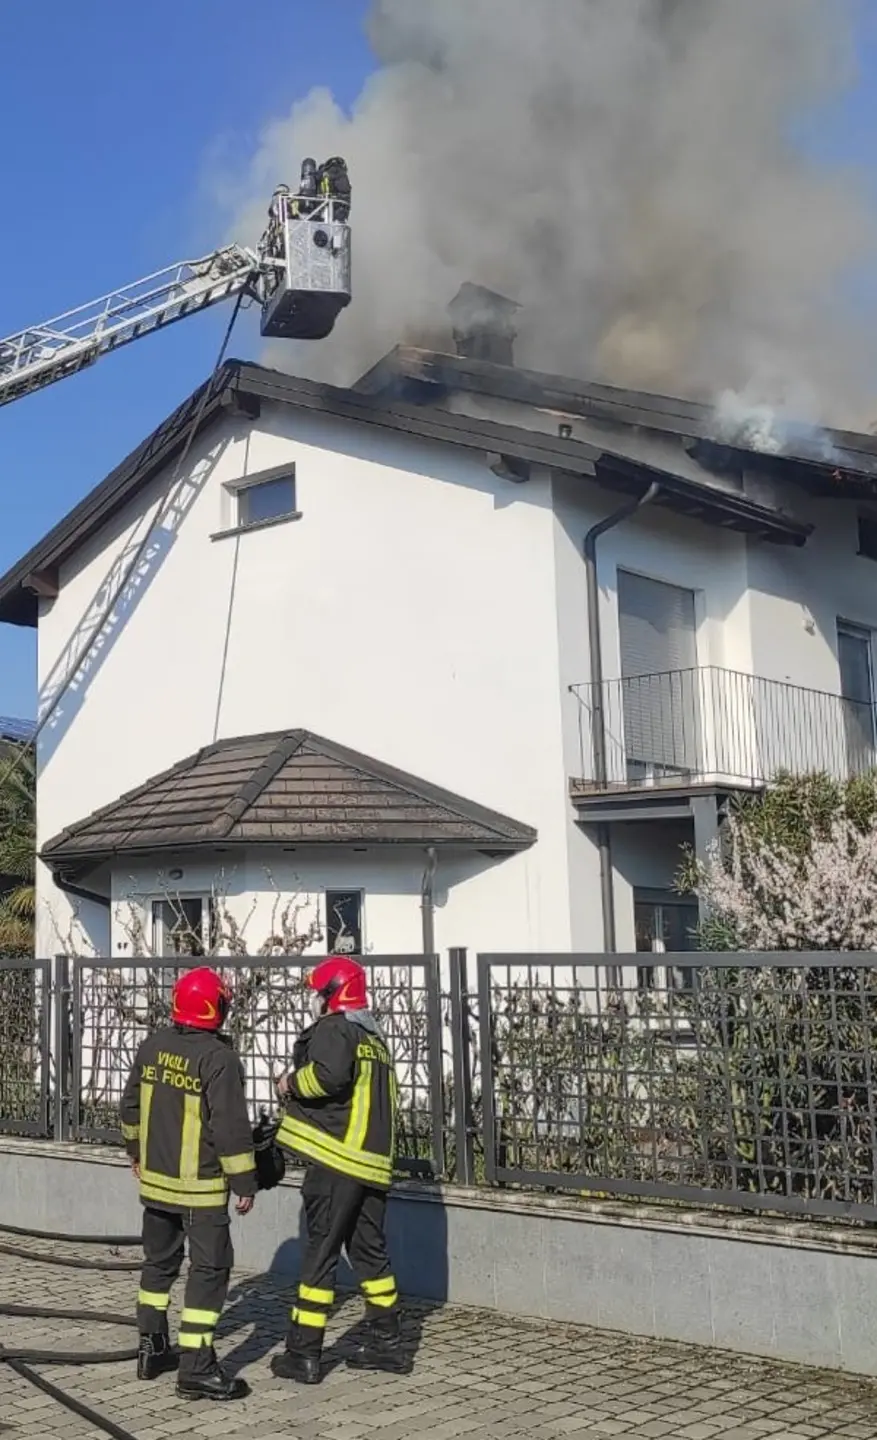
[{"x": 474, "y": 1375}]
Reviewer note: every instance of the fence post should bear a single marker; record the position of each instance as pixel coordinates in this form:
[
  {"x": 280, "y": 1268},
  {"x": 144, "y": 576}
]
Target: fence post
[
  {"x": 488, "y": 1098},
  {"x": 464, "y": 1121},
  {"x": 62, "y": 1031}
]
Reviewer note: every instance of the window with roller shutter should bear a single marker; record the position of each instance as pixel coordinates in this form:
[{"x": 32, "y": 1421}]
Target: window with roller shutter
[
  {"x": 658, "y": 676},
  {"x": 855, "y": 650}
]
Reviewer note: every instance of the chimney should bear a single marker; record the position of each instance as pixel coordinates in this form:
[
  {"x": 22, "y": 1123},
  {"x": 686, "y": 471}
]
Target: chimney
[{"x": 484, "y": 324}]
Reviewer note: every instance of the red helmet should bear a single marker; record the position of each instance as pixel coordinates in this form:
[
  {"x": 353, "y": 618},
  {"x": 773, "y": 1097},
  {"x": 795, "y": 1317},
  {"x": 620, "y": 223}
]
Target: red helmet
[
  {"x": 201, "y": 1000},
  {"x": 341, "y": 982}
]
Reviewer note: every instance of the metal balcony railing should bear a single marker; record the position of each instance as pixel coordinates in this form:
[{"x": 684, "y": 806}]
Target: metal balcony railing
[{"x": 715, "y": 726}]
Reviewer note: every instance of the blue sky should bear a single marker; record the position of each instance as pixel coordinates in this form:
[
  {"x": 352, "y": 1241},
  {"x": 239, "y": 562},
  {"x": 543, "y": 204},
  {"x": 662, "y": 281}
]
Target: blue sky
[{"x": 109, "y": 114}]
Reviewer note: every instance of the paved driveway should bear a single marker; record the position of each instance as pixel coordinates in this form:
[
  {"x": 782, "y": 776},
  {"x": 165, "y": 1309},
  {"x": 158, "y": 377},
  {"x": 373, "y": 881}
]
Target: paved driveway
[{"x": 474, "y": 1374}]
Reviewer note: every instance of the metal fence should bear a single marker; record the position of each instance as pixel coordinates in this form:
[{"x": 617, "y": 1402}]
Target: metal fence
[
  {"x": 25, "y": 1017},
  {"x": 740, "y": 1080},
  {"x": 116, "y": 1005},
  {"x": 744, "y": 1080}
]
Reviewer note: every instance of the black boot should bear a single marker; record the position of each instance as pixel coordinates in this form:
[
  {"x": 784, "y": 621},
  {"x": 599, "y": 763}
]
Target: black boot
[
  {"x": 299, "y": 1365},
  {"x": 205, "y": 1379},
  {"x": 300, "y": 1360},
  {"x": 381, "y": 1346},
  {"x": 155, "y": 1356}
]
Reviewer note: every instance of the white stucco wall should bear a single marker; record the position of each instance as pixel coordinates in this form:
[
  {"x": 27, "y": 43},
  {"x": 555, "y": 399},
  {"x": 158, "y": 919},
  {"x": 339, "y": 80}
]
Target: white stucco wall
[
  {"x": 765, "y": 609},
  {"x": 429, "y": 614},
  {"x": 409, "y": 614},
  {"x": 798, "y": 596},
  {"x": 254, "y": 886}
]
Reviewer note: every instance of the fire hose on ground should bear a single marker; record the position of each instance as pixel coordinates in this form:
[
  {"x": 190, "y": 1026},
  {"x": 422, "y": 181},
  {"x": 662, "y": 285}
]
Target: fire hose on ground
[
  {"x": 270, "y": 1168},
  {"x": 20, "y": 1359}
]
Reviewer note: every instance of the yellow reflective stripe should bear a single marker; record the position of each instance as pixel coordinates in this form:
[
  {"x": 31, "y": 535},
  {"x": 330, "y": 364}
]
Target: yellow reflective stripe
[
  {"x": 153, "y": 1299},
  {"x": 384, "y": 1302},
  {"x": 190, "y": 1147},
  {"x": 214, "y": 1186},
  {"x": 394, "y": 1106},
  {"x": 307, "y": 1084},
  {"x": 146, "y": 1091},
  {"x": 317, "y": 1145},
  {"x": 360, "y": 1107},
  {"x": 238, "y": 1164},
  {"x": 311, "y": 1318},
  {"x": 183, "y": 1200},
  {"x": 379, "y": 1287},
  {"x": 189, "y": 1194},
  {"x": 130, "y": 1132},
  {"x": 193, "y": 1342},
  {"x": 210, "y": 1318},
  {"x": 319, "y": 1297}
]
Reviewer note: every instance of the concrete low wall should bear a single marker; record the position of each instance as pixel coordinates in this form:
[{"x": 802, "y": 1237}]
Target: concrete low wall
[{"x": 805, "y": 1293}]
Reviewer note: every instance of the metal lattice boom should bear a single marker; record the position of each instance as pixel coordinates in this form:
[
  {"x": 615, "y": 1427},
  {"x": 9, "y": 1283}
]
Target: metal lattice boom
[
  {"x": 299, "y": 274},
  {"x": 42, "y": 354}
]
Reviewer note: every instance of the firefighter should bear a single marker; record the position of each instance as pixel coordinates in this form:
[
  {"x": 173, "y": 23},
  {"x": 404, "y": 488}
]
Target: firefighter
[
  {"x": 187, "y": 1131},
  {"x": 277, "y": 207},
  {"x": 308, "y": 186},
  {"x": 340, "y": 1100},
  {"x": 333, "y": 183}
]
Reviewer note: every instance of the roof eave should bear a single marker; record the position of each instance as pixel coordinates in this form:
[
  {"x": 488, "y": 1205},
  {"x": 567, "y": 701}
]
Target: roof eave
[
  {"x": 61, "y": 858},
  {"x": 703, "y": 502}
]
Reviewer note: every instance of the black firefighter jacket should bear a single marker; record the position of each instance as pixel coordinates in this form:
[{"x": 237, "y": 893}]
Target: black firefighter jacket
[
  {"x": 341, "y": 1105},
  {"x": 184, "y": 1119}
]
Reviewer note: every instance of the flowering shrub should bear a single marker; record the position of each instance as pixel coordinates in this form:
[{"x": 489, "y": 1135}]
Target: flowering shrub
[{"x": 796, "y": 870}]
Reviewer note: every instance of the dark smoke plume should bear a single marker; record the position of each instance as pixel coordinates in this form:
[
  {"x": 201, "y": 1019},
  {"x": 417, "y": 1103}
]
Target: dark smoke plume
[{"x": 625, "y": 169}]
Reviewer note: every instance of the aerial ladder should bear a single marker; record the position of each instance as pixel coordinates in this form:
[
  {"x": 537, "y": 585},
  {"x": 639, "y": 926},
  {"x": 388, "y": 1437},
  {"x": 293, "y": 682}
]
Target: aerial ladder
[{"x": 299, "y": 274}]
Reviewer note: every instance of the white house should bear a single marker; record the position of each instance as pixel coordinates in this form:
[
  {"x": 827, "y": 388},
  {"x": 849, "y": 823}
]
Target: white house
[{"x": 351, "y": 655}]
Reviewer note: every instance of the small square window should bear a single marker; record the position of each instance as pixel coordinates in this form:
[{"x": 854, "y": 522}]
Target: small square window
[
  {"x": 267, "y": 500},
  {"x": 344, "y": 922},
  {"x": 183, "y": 925},
  {"x": 868, "y": 536}
]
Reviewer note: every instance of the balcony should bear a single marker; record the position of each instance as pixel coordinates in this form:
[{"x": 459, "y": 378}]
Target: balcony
[{"x": 665, "y": 737}]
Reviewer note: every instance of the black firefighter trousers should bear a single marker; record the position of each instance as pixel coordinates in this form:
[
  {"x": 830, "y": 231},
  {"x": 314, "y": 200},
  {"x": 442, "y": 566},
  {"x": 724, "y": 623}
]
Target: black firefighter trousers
[
  {"x": 341, "y": 1214},
  {"x": 211, "y": 1258}
]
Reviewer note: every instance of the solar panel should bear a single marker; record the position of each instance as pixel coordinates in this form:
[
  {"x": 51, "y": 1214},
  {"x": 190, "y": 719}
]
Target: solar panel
[{"x": 21, "y": 730}]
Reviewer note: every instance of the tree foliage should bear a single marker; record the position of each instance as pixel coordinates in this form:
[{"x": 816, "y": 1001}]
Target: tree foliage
[
  {"x": 19, "y": 1093},
  {"x": 17, "y": 849}
]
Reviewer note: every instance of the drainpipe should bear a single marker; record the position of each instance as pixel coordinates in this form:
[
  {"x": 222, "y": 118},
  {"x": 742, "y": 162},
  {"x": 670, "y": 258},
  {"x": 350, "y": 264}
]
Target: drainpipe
[
  {"x": 427, "y": 901},
  {"x": 604, "y": 843},
  {"x": 78, "y": 892}
]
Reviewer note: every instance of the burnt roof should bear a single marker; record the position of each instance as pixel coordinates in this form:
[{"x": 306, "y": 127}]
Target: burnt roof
[
  {"x": 288, "y": 788},
  {"x": 409, "y": 370},
  {"x": 242, "y": 386}
]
